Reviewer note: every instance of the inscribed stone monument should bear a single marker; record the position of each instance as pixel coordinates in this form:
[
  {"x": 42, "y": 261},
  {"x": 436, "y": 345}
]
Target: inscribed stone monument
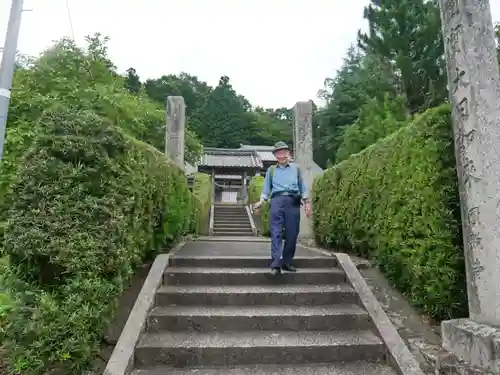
[
  {"x": 175, "y": 129},
  {"x": 473, "y": 83},
  {"x": 303, "y": 154}
]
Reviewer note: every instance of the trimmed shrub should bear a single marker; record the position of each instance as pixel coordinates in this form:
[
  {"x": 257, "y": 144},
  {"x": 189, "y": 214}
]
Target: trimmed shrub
[
  {"x": 83, "y": 78},
  {"x": 202, "y": 195},
  {"x": 397, "y": 202},
  {"x": 89, "y": 205},
  {"x": 5, "y": 302},
  {"x": 254, "y": 192},
  {"x": 377, "y": 119}
]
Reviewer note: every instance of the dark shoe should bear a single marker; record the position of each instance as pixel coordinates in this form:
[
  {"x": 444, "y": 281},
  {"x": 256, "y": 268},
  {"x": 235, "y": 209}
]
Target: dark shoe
[
  {"x": 289, "y": 268},
  {"x": 275, "y": 271}
]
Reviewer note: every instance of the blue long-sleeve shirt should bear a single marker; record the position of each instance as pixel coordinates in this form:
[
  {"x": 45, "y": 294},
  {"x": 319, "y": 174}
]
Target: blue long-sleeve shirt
[{"x": 285, "y": 178}]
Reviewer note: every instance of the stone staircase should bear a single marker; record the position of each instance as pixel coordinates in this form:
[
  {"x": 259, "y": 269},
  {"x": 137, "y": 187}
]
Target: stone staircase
[
  {"x": 220, "y": 314},
  {"x": 231, "y": 220}
]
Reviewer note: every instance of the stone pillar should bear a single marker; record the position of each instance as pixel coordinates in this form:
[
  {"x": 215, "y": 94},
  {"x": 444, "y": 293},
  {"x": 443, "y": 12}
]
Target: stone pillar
[
  {"x": 303, "y": 155},
  {"x": 175, "y": 129},
  {"x": 473, "y": 80},
  {"x": 213, "y": 186},
  {"x": 244, "y": 189},
  {"x": 302, "y": 124}
]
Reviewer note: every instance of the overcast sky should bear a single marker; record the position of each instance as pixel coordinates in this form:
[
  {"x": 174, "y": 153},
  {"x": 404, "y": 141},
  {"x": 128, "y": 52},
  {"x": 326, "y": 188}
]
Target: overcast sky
[{"x": 276, "y": 52}]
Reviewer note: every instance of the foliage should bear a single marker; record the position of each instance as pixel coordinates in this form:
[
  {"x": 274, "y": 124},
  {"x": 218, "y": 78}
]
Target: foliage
[
  {"x": 361, "y": 78},
  {"x": 132, "y": 81},
  {"x": 5, "y": 301},
  {"x": 254, "y": 191},
  {"x": 407, "y": 33},
  {"x": 270, "y": 126},
  {"x": 220, "y": 116},
  {"x": 222, "y": 120},
  {"x": 202, "y": 194},
  {"x": 376, "y": 120},
  {"x": 90, "y": 204},
  {"x": 186, "y": 85},
  {"x": 397, "y": 203},
  {"x": 85, "y": 79}
]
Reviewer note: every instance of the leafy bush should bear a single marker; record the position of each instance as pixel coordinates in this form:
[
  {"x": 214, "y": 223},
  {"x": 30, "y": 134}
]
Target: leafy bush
[
  {"x": 89, "y": 205},
  {"x": 84, "y": 79},
  {"x": 5, "y": 301},
  {"x": 376, "y": 121},
  {"x": 397, "y": 203},
  {"x": 202, "y": 195},
  {"x": 254, "y": 192}
]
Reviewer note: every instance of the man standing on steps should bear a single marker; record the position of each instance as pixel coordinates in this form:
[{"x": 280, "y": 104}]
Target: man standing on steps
[{"x": 286, "y": 191}]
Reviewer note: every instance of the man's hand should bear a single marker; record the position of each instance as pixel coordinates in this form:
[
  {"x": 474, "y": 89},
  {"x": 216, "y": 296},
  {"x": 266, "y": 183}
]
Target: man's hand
[
  {"x": 307, "y": 207},
  {"x": 258, "y": 205}
]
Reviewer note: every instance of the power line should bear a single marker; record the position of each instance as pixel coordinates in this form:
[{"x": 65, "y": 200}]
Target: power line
[{"x": 70, "y": 20}]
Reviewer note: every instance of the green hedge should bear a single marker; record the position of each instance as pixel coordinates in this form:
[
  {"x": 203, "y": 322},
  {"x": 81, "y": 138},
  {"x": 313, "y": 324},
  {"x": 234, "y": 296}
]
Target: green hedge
[
  {"x": 89, "y": 205},
  {"x": 202, "y": 194},
  {"x": 5, "y": 302},
  {"x": 254, "y": 192},
  {"x": 397, "y": 203}
]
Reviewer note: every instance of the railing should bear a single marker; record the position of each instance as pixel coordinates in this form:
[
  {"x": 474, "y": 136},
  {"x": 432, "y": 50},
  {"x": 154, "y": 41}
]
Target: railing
[
  {"x": 211, "y": 224},
  {"x": 250, "y": 218}
]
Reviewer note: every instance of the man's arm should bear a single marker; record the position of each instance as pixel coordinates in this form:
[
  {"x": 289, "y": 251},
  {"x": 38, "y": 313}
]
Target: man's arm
[
  {"x": 302, "y": 187},
  {"x": 266, "y": 189}
]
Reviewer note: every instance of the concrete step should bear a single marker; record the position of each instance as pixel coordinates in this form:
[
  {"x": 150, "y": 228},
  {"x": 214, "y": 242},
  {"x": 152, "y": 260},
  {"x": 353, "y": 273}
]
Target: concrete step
[
  {"x": 230, "y": 218},
  {"x": 353, "y": 368},
  {"x": 224, "y": 228},
  {"x": 230, "y": 208},
  {"x": 232, "y": 232},
  {"x": 245, "y": 229},
  {"x": 250, "y": 276},
  {"x": 258, "y": 318},
  {"x": 247, "y": 261},
  {"x": 180, "y": 349},
  {"x": 232, "y": 224},
  {"x": 231, "y": 211},
  {"x": 224, "y": 233},
  {"x": 281, "y": 294}
]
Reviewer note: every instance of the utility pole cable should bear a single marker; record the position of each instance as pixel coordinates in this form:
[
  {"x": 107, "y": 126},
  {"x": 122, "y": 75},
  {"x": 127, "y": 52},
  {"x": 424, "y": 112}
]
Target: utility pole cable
[{"x": 8, "y": 65}]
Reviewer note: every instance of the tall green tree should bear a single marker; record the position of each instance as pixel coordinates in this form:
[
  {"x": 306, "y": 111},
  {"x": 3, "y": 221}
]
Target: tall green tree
[
  {"x": 361, "y": 78},
  {"x": 377, "y": 119},
  {"x": 132, "y": 81},
  {"x": 407, "y": 33},
  {"x": 186, "y": 85},
  {"x": 211, "y": 111},
  {"x": 223, "y": 119},
  {"x": 270, "y": 126}
]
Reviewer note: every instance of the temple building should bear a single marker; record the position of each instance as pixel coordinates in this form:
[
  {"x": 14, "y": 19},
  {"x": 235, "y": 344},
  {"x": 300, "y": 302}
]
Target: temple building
[{"x": 231, "y": 169}]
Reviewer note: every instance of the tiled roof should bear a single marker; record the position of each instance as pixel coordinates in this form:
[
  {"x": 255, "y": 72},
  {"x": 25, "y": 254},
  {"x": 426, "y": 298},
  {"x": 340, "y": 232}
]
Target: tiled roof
[
  {"x": 227, "y": 158},
  {"x": 265, "y": 152},
  {"x": 266, "y": 156},
  {"x": 257, "y": 148},
  {"x": 246, "y": 156}
]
